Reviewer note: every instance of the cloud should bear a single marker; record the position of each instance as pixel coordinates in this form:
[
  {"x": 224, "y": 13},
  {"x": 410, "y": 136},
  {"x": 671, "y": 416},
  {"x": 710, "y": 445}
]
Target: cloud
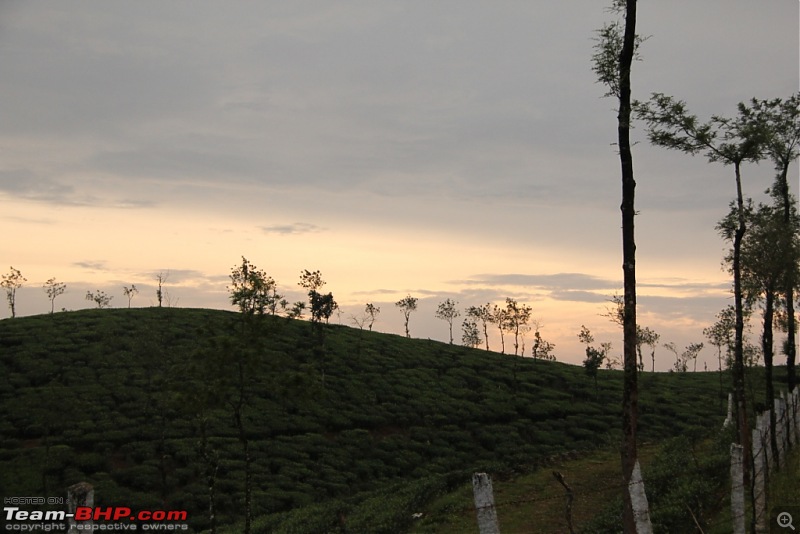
[
  {"x": 565, "y": 281},
  {"x": 25, "y": 184},
  {"x": 92, "y": 265},
  {"x": 564, "y": 286},
  {"x": 293, "y": 228},
  {"x": 30, "y": 220},
  {"x": 578, "y": 296},
  {"x": 30, "y": 186}
]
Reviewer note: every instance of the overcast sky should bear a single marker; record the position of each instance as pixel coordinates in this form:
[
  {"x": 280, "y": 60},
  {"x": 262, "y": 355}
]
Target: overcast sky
[{"x": 446, "y": 149}]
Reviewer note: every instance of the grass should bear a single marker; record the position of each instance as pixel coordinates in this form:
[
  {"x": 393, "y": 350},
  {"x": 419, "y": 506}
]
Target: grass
[
  {"x": 535, "y": 502},
  {"x": 347, "y": 428}
]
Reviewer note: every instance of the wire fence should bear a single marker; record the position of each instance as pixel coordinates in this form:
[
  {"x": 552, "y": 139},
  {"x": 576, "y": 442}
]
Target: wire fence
[
  {"x": 774, "y": 434},
  {"x": 748, "y": 484}
]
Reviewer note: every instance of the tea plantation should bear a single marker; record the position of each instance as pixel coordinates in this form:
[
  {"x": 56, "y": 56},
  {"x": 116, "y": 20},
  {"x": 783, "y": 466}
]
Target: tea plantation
[{"x": 344, "y": 430}]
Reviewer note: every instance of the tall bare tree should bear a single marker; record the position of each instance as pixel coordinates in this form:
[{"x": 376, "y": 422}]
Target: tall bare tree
[{"x": 614, "y": 54}]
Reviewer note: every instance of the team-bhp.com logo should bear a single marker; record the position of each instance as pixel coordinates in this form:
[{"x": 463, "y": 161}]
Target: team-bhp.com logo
[
  {"x": 119, "y": 513},
  {"x": 89, "y": 518}
]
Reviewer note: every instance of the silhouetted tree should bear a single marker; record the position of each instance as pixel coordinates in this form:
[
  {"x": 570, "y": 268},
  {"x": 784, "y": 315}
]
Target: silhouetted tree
[
  {"x": 161, "y": 279},
  {"x": 782, "y": 119},
  {"x": 690, "y": 354},
  {"x": 372, "y": 311},
  {"x": 311, "y": 280},
  {"x": 470, "y": 337},
  {"x": 720, "y": 334},
  {"x": 296, "y": 312},
  {"x": 11, "y": 282},
  {"x": 730, "y": 142},
  {"x": 516, "y": 319},
  {"x": 100, "y": 298},
  {"x": 447, "y": 312},
  {"x": 484, "y": 315},
  {"x": 500, "y": 318},
  {"x": 670, "y": 346},
  {"x": 594, "y": 356},
  {"x": 130, "y": 292},
  {"x": 53, "y": 290},
  {"x": 322, "y": 306},
  {"x": 407, "y": 305},
  {"x": 614, "y": 54},
  {"x": 768, "y": 257},
  {"x": 542, "y": 349},
  {"x": 647, "y": 336},
  {"x": 644, "y": 336},
  {"x": 250, "y": 289}
]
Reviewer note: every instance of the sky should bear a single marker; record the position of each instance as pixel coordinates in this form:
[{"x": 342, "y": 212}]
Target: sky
[{"x": 448, "y": 149}]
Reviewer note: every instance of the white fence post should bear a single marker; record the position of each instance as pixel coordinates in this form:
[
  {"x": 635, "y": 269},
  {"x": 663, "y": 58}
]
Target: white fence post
[
  {"x": 737, "y": 489},
  {"x": 641, "y": 511},
  {"x": 484, "y": 504},
  {"x": 729, "y": 417}
]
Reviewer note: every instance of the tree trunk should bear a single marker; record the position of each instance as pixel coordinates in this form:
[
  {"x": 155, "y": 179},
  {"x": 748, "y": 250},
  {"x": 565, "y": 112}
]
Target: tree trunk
[
  {"x": 738, "y": 351},
  {"x": 766, "y": 347},
  {"x": 630, "y": 395},
  {"x": 791, "y": 350}
]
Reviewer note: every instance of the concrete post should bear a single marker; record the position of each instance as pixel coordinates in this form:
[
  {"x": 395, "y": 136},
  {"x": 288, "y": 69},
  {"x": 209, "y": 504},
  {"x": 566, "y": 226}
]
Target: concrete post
[
  {"x": 641, "y": 510},
  {"x": 729, "y": 417},
  {"x": 484, "y": 504},
  {"x": 759, "y": 481}
]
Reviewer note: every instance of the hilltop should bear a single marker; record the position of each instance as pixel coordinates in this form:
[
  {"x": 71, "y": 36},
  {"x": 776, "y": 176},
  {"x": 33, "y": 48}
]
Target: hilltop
[{"x": 347, "y": 426}]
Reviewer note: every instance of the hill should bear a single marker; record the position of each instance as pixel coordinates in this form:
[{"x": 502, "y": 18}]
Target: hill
[{"x": 344, "y": 430}]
